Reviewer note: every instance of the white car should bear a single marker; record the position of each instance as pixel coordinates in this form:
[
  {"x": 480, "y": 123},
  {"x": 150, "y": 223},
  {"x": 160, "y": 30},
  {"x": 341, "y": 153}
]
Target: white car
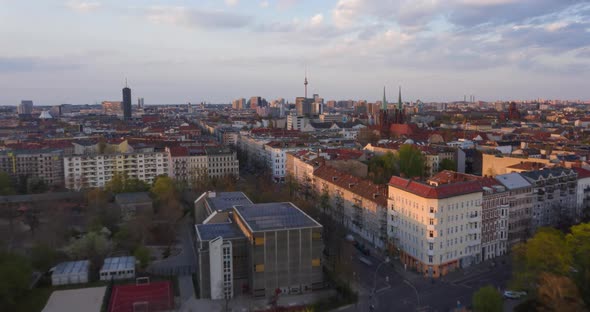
[{"x": 510, "y": 294}]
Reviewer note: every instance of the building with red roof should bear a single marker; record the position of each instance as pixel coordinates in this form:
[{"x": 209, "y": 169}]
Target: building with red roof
[{"x": 435, "y": 225}]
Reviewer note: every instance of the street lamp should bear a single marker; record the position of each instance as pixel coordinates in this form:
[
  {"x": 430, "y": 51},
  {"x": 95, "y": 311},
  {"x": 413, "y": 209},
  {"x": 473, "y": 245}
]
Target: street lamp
[{"x": 373, "y": 294}]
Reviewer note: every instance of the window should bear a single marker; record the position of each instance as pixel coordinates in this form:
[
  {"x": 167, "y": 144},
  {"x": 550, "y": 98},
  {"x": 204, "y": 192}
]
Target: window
[
  {"x": 259, "y": 241},
  {"x": 429, "y": 259},
  {"x": 259, "y": 268},
  {"x": 430, "y": 233},
  {"x": 315, "y": 262}
]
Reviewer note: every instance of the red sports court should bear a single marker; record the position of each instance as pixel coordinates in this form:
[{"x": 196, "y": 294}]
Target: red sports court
[{"x": 154, "y": 296}]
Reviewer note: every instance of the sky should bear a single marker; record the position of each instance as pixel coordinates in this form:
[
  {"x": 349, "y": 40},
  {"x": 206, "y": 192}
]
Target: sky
[{"x": 179, "y": 51}]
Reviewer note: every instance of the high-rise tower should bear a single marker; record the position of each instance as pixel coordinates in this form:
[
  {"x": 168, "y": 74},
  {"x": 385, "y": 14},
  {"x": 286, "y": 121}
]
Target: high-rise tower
[
  {"x": 399, "y": 100},
  {"x": 126, "y": 102},
  {"x": 305, "y": 84},
  {"x": 384, "y": 103}
]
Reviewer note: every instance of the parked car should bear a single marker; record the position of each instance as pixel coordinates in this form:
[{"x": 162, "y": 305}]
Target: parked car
[{"x": 511, "y": 294}]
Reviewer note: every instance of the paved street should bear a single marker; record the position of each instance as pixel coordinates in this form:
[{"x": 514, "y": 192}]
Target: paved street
[
  {"x": 182, "y": 265},
  {"x": 408, "y": 291}
]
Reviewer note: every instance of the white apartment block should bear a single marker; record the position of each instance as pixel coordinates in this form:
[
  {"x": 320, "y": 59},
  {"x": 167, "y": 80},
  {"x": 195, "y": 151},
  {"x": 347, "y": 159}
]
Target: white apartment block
[
  {"x": 295, "y": 122},
  {"x": 436, "y": 228},
  {"x": 277, "y": 157},
  {"x": 95, "y": 170}
]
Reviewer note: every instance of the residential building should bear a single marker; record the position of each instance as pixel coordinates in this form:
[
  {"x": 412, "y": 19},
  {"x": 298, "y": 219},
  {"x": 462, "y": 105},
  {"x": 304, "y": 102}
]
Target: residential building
[
  {"x": 358, "y": 204},
  {"x": 520, "y": 206},
  {"x": 277, "y": 156},
  {"x": 188, "y": 165},
  {"x": 435, "y": 227},
  {"x": 295, "y": 122},
  {"x": 45, "y": 165},
  {"x": 95, "y": 170},
  {"x": 222, "y": 162},
  {"x": 132, "y": 204},
  {"x": 555, "y": 201},
  {"x": 112, "y": 108},
  {"x": 583, "y": 191}
]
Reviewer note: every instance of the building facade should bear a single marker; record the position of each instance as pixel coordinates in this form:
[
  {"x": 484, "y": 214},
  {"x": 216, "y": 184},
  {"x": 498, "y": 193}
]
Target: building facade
[
  {"x": 45, "y": 165},
  {"x": 95, "y": 170},
  {"x": 555, "y": 201},
  {"x": 435, "y": 228},
  {"x": 520, "y": 206}
]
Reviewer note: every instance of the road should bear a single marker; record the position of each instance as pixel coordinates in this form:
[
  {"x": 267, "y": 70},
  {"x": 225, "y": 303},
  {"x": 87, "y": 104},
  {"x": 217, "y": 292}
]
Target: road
[
  {"x": 407, "y": 291},
  {"x": 183, "y": 264}
]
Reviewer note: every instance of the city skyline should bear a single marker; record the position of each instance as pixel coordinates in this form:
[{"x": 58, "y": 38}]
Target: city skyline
[{"x": 216, "y": 51}]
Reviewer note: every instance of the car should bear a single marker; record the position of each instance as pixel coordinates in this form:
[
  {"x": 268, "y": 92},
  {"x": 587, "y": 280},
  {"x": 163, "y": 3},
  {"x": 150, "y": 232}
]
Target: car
[{"x": 511, "y": 294}]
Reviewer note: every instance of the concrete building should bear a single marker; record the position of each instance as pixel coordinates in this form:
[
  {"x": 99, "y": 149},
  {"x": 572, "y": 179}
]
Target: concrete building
[
  {"x": 112, "y": 108},
  {"x": 95, "y": 170},
  {"x": 520, "y": 206},
  {"x": 222, "y": 162},
  {"x": 436, "y": 228},
  {"x": 45, "y": 165},
  {"x": 260, "y": 249},
  {"x": 25, "y": 108},
  {"x": 555, "y": 201},
  {"x": 295, "y": 122},
  {"x": 117, "y": 268}
]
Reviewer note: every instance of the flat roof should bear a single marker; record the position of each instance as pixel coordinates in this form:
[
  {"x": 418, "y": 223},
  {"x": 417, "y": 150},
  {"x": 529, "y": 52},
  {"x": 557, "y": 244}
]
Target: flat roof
[
  {"x": 118, "y": 264},
  {"x": 72, "y": 267},
  {"x": 132, "y": 198},
  {"x": 226, "y": 200},
  {"x": 74, "y": 300},
  {"x": 274, "y": 216},
  {"x": 210, "y": 231},
  {"x": 513, "y": 181}
]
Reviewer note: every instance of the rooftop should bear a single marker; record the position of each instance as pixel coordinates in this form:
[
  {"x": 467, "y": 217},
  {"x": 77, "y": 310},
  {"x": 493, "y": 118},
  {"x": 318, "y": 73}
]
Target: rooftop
[
  {"x": 512, "y": 181},
  {"x": 438, "y": 192},
  {"x": 274, "y": 216},
  {"x": 118, "y": 264},
  {"x": 226, "y": 200},
  {"x": 72, "y": 267},
  {"x": 132, "y": 198},
  {"x": 210, "y": 231}
]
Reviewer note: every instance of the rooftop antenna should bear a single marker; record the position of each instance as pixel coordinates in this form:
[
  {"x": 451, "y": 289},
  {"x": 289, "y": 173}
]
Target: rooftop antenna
[
  {"x": 126, "y": 83},
  {"x": 305, "y": 83}
]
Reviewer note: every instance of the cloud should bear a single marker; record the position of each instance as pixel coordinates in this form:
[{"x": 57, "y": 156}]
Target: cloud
[
  {"x": 189, "y": 17},
  {"x": 82, "y": 6},
  {"x": 232, "y": 2},
  {"x": 13, "y": 65},
  {"x": 316, "y": 20},
  {"x": 264, "y": 4}
]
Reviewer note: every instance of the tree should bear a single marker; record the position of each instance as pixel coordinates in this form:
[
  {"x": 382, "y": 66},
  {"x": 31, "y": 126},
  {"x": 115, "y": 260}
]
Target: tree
[
  {"x": 142, "y": 254},
  {"x": 578, "y": 242},
  {"x": 382, "y": 167},
  {"x": 487, "y": 299},
  {"x": 43, "y": 257},
  {"x": 411, "y": 161},
  {"x": 15, "y": 274},
  {"x": 545, "y": 252},
  {"x": 6, "y": 185},
  {"x": 558, "y": 293},
  {"x": 121, "y": 183},
  {"x": 92, "y": 246},
  {"x": 448, "y": 164}
]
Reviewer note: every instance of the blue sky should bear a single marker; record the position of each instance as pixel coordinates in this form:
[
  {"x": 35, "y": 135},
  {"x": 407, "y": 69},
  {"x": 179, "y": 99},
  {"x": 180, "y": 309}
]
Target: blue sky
[{"x": 80, "y": 51}]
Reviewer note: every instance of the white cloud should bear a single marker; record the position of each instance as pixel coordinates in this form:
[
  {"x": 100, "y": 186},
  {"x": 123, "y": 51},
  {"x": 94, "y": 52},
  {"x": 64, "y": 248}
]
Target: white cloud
[
  {"x": 232, "y": 2},
  {"x": 264, "y": 4},
  {"x": 183, "y": 16},
  {"x": 84, "y": 7},
  {"x": 316, "y": 20},
  {"x": 346, "y": 11}
]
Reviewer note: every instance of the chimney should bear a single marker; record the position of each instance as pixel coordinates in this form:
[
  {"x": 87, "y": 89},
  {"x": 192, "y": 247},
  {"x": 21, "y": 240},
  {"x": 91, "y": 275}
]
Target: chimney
[
  {"x": 350, "y": 185},
  {"x": 375, "y": 195},
  {"x": 334, "y": 178}
]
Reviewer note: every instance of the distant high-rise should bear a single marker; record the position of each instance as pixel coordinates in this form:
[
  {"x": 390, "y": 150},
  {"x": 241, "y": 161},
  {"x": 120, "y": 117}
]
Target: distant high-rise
[
  {"x": 126, "y": 102},
  {"x": 25, "y": 108},
  {"x": 140, "y": 102}
]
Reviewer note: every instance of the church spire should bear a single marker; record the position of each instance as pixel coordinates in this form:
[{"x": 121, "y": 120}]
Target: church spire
[
  {"x": 384, "y": 103},
  {"x": 399, "y": 99}
]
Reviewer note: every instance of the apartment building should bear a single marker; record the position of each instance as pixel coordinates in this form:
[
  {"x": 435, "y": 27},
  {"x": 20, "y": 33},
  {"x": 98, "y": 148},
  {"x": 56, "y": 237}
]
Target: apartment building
[
  {"x": 555, "y": 201},
  {"x": 358, "y": 204},
  {"x": 260, "y": 248},
  {"x": 43, "y": 164},
  {"x": 188, "y": 165},
  {"x": 435, "y": 227},
  {"x": 295, "y": 122},
  {"x": 583, "y": 191},
  {"x": 222, "y": 162},
  {"x": 277, "y": 156},
  {"x": 95, "y": 170},
  {"x": 520, "y": 206},
  {"x": 494, "y": 215}
]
